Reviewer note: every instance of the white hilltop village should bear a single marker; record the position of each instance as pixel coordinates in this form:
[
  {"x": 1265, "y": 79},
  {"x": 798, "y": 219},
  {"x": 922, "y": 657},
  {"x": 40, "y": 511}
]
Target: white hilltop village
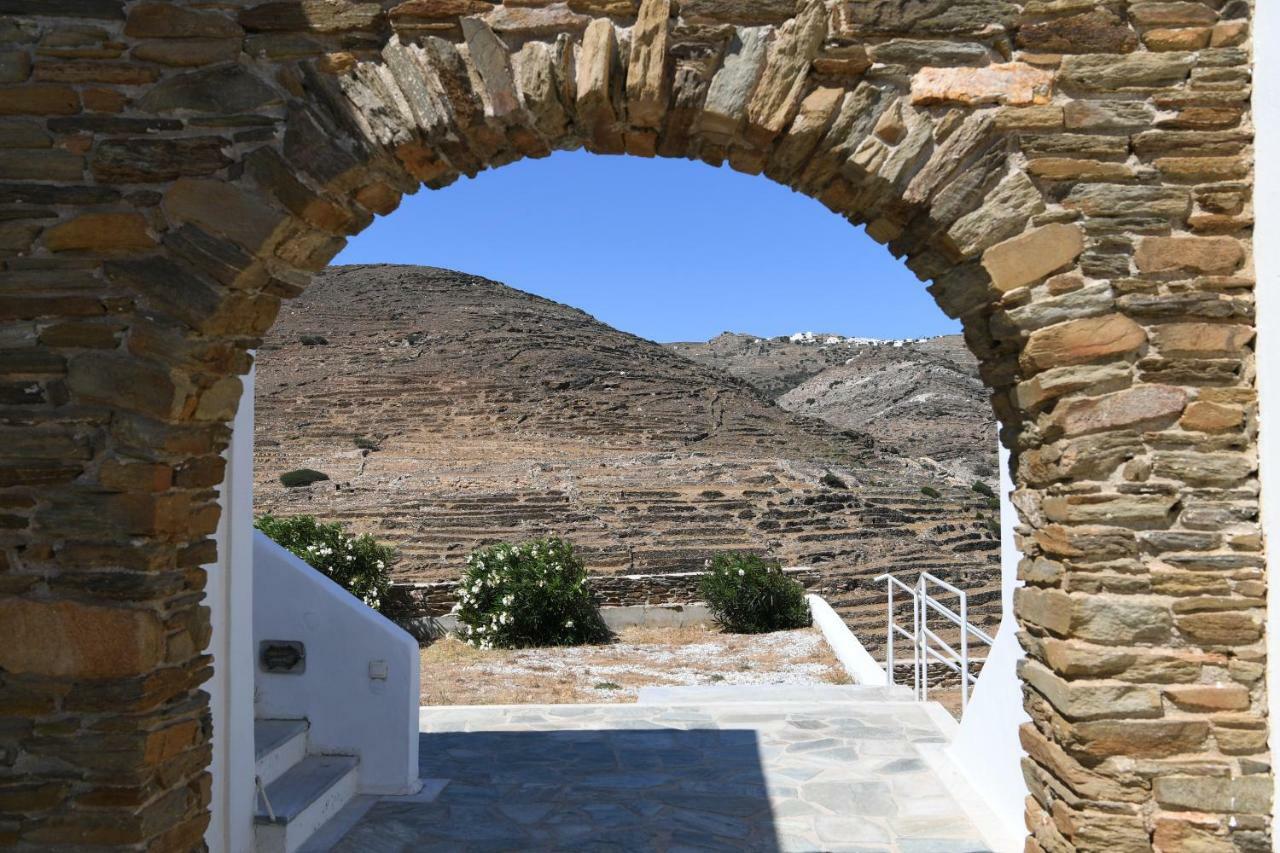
[{"x": 824, "y": 339}]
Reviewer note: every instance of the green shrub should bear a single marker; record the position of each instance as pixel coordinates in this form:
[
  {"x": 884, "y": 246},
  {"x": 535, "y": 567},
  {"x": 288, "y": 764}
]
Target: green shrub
[
  {"x": 983, "y": 489},
  {"x": 366, "y": 443},
  {"x": 831, "y": 481},
  {"x": 357, "y": 563},
  {"x": 531, "y": 594},
  {"x": 930, "y": 492},
  {"x": 747, "y": 595},
  {"x": 301, "y": 477}
]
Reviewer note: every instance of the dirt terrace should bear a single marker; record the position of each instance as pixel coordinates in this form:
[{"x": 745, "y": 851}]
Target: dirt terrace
[{"x": 454, "y": 673}]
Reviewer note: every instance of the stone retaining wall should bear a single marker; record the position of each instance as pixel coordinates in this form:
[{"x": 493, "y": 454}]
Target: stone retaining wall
[
  {"x": 437, "y": 598},
  {"x": 1074, "y": 178}
]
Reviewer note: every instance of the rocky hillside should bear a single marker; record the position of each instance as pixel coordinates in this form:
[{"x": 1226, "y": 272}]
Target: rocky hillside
[
  {"x": 450, "y": 411},
  {"x": 921, "y": 398}
]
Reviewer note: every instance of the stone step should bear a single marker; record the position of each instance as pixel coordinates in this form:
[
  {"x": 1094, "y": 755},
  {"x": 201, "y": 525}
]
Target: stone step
[
  {"x": 277, "y": 746},
  {"x": 301, "y": 800}
]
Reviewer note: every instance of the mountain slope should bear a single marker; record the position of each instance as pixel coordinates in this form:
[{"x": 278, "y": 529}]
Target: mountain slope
[
  {"x": 450, "y": 411},
  {"x": 922, "y": 398}
]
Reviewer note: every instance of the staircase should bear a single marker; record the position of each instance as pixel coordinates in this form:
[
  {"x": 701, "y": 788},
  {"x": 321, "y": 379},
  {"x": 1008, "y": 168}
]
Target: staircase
[{"x": 298, "y": 790}]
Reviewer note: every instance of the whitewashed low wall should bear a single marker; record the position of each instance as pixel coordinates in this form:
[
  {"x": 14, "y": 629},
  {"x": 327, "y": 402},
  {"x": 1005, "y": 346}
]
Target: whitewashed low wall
[
  {"x": 352, "y": 709},
  {"x": 853, "y": 656},
  {"x": 987, "y": 748}
]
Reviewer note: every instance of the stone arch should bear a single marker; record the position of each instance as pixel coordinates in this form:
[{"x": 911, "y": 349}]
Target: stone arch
[{"x": 1073, "y": 178}]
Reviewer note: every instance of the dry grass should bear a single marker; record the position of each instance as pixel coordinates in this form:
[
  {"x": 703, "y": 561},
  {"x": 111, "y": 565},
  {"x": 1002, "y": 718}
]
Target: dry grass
[{"x": 454, "y": 673}]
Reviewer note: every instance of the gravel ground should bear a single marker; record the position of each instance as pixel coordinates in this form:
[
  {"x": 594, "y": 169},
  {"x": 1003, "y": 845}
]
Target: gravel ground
[{"x": 454, "y": 673}]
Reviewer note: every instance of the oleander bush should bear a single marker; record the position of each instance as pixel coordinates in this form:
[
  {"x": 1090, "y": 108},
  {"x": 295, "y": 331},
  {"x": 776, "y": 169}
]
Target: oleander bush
[
  {"x": 749, "y": 595},
  {"x": 531, "y": 594},
  {"x": 983, "y": 489},
  {"x": 930, "y": 492},
  {"x": 359, "y": 564}
]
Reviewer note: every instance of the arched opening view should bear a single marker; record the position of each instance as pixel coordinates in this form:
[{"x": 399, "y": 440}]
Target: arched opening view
[
  {"x": 1069, "y": 183},
  {"x": 810, "y": 424}
]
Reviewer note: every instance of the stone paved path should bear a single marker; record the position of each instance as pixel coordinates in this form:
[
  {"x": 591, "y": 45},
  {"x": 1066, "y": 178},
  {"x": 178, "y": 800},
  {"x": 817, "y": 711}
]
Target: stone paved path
[{"x": 740, "y": 776}]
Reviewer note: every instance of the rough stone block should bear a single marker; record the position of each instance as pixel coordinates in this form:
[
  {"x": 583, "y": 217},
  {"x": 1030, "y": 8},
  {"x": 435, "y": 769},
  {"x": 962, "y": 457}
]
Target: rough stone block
[
  {"x": 647, "y": 83},
  {"x": 1131, "y": 72},
  {"x": 1141, "y": 407},
  {"x": 1208, "y": 255},
  {"x": 1201, "y": 340},
  {"x": 782, "y": 82},
  {"x": 597, "y": 68},
  {"x": 224, "y": 89},
  {"x": 1135, "y": 509},
  {"x": 1086, "y": 700},
  {"x": 100, "y": 232},
  {"x": 1225, "y": 628},
  {"x": 1029, "y": 257},
  {"x": 1205, "y": 416},
  {"x": 223, "y": 208},
  {"x": 166, "y": 20},
  {"x": 1242, "y": 794},
  {"x": 1083, "y": 341},
  {"x": 322, "y": 16},
  {"x": 15, "y": 66},
  {"x": 1164, "y": 738},
  {"x": 1209, "y": 697},
  {"x": 1120, "y": 619},
  {"x": 39, "y": 99},
  {"x": 1049, "y": 608},
  {"x": 187, "y": 52},
  {"x": 131, "y": 161},
  {"x": 747, "y": 13},
  {"x": 1098, "y": 30},
  {"x": 70, "y": 639},
  {"x": 412, "y": 13},
  {"x": 1012, "y": 84},
  {"x": 726, "y": 103},
  {"x": 536, "y": 21}
]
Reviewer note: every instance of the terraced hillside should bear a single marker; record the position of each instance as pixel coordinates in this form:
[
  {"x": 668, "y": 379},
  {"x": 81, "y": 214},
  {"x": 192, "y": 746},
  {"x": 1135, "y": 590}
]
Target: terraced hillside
[
  {"x": 921, "y": 397},
  {"x": 450, "y": 411}
]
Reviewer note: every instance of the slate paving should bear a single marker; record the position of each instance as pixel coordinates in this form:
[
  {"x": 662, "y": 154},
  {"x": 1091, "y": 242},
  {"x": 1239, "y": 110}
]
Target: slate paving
[{"x": 740, "y": 776}]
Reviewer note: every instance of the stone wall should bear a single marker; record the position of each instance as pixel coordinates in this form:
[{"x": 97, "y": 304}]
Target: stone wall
[
  {"x": 1074, "y": 177},
  {"x": 437, "y": 598}
]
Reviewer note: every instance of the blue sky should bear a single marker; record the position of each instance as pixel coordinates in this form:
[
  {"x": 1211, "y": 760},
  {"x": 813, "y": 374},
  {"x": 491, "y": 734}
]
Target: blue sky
[{"x": 667, "y": 249}]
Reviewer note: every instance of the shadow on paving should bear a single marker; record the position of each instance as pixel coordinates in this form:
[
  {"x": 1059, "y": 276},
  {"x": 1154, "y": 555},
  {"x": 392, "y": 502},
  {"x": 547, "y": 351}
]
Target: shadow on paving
[{"x": 615, "y": 789}]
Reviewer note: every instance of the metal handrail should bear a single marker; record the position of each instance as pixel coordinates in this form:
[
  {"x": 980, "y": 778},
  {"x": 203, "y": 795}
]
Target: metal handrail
[{"x": 926, "y": 645}]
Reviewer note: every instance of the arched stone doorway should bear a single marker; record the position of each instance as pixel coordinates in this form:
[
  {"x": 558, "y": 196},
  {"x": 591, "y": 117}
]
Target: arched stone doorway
[{"x": 1073, "y": 178}]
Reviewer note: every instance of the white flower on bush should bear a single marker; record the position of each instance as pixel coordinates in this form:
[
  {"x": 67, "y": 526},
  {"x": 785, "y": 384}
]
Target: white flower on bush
[
  {"x": 544, "y": 575},
  {"x": 742, "y": 573}
]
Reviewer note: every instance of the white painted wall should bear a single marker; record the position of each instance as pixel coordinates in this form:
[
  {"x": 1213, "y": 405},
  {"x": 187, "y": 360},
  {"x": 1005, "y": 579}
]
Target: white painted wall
[
  {"x": 1266, "y": 248},
  {"x": 986, "y": 748},
  {"x": 853, "y": 656},
  {"x": 229, "y": 595},
  {"x": 351, "y": 711}
]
